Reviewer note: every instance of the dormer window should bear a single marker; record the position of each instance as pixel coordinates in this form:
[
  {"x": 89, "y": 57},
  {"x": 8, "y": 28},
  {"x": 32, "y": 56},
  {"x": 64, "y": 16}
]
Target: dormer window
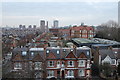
[
  {"x": 48, "y": 51},
  {"x": 24, "y": 53},
  {"x": 88, "y": 53},
  {"x": 32, "y": 53},
  {"x": 116, "y": 52},
  {"x": 58, "y": 51},
  {"x": 71, "y": 50}
]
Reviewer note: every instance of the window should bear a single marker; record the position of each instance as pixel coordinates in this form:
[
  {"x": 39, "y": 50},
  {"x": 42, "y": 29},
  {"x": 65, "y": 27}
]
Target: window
[
  {"x": 88, "y": 53},
  {"x": 51, "y": 63},
  {"x": 48, "y": 51},
  {"x": 58, "y": 63},
  {"x": 116, "y": 52},
  {"x": 81, "y": 63},
  {"x": 81, "y": 73},
  {"x": 71, "y": 50},
  {"x": 64, "y": 50},
  {"x": 58, "y": 51},
  {"x": 113, "y": 62},
  {"x": 32, "y": 53},
  {"x": 17, "y": 66},
  {"x": 91, "y": 31},
  {"x": 73, "y": 31},
  {"x": 90, "y": 35},
  {"x": 38, "y": 75},
  {"x": 84, "y": 31},
  {"x": 63, "y": 63},
  {"x": 50, "y": 73},
  {"x": 38, "y": 65},
  {"x": 84, "y": 35},
  {"x": 80, "y": 31},
  {"x": 70, "y": 73},
  {"x": 70, "y": 63},
  {"x": 24, "y": 53}
]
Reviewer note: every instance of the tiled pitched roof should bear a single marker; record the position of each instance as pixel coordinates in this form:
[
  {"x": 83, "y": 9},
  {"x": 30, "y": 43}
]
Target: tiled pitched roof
[
  {"x": 17, "y": 57},
  {"x": 37, "y": 58}
]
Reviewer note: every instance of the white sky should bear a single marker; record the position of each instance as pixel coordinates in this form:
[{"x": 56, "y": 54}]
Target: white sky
[{"x": 12, "y": 14}]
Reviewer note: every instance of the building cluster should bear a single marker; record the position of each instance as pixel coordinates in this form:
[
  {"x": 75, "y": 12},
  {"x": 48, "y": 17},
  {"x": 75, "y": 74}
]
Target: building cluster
[
  {"x": 29, "y": 27},
  {"x": 82, "y": 31},
  {"x": 20, "y": 32},
  {"x": 51, "y": 62},
  {"x": 67, "y": 52},
  {"x": 41, "y": 59}
]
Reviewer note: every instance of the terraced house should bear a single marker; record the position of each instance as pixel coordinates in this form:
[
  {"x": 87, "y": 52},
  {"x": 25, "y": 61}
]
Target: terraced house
[
  {"x": 68, "y": 62},
  {"x": 51, "y": 62},
  {"x": 28, "y": 63}
]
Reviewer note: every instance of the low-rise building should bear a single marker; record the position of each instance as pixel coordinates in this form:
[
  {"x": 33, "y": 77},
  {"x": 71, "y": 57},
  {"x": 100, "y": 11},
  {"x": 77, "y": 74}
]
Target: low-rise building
[{"x": 68, "y": 62}]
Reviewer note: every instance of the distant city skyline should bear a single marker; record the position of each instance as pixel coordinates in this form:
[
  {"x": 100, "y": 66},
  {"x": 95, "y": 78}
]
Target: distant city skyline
[{"x": 67, "y": 13}]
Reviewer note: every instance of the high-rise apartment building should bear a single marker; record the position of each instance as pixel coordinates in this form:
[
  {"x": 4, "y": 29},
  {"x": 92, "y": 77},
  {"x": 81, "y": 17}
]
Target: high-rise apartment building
[
  {"x": 42, "y": 25},
  {"x": 46, "y": 29},
  {"x": 34, "y": 26},
  {"x": 30, "y": 26},
  {"x": 55, "y": 23}
]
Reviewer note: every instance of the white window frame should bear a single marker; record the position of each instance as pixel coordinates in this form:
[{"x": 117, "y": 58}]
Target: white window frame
[
  {"x": 88, "y": 53},
  {"x": 50, "y": 73},
  {"x": 80, "y": 31},
  {"x": 81, "y": 63},
  {"x": 70, "y": 73},
  {"x": 82, "y": 72},
  {"x": 32, "y": 53},
  {"x": 50, "y": 64},
  {"x": 17, "y": 65},
  {"x": 84, "y": 31},
  {"x": 112, "y": 61},
  {"x": 24, "y": 53},
  {"x": 38, "y": 65},
  {"x": 73, "y": 31},
  {"x": 69, "y": 63},
  {"x": 58, "y": 63}
]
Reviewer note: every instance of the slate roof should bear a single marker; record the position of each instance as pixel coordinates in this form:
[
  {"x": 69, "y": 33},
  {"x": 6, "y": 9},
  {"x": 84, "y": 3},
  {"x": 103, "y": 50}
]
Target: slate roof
[
  {"x": 36, "y": 51},
  {"x": 104, "y": 53},
  {"x": 85, "y": 51},
  {"x": 65, "y": 51},
  {"x": 18, "y": 51}
]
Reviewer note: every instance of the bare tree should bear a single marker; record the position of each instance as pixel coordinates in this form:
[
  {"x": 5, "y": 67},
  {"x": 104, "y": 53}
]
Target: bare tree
[{"x": 109, "y": 30}]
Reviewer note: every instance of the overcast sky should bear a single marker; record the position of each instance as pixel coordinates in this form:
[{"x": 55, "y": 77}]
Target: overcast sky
[{"x": 68, "y": 13}]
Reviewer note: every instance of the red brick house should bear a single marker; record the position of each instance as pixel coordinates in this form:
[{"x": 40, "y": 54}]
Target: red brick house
[
  {"x": 28, "y": 63},
  {"x": 20, "y": 65},
  {"x": 68, "y": 62},
  {"x": 74, "y": 32},
  {"x": 82, "y": 32}
]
